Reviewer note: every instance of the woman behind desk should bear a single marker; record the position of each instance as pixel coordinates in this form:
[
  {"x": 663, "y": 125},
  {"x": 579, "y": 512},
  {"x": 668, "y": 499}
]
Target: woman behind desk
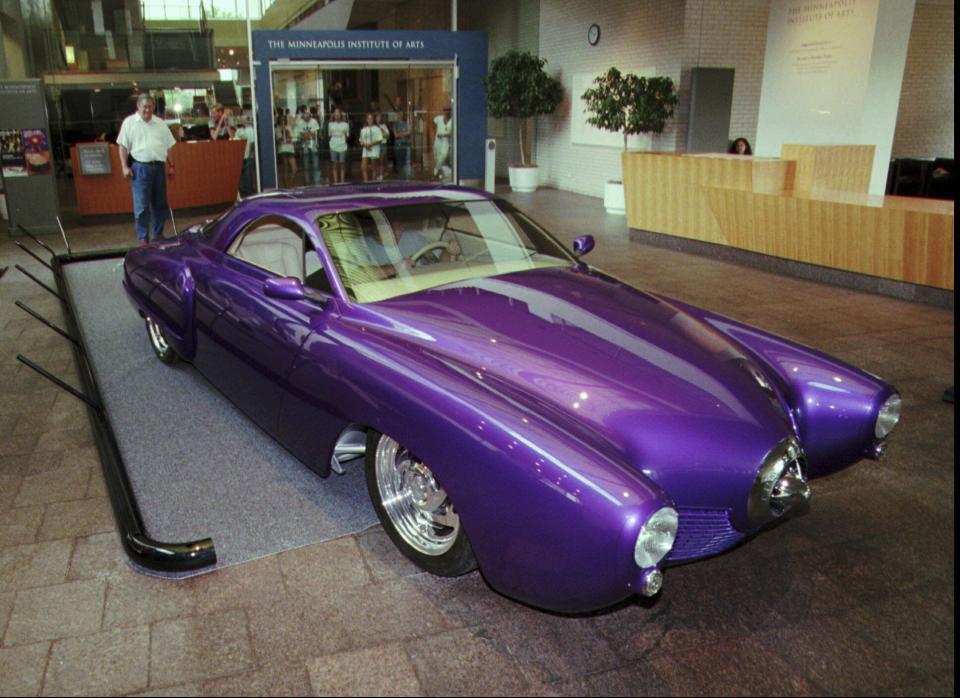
[{"x": 741, "y": 146}]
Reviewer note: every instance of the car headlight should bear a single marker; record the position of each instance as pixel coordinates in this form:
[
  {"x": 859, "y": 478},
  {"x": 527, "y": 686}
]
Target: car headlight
[
  {"x": 656, "y": 537},
  {"x": 780, "y": 484},
  {"x": 888, "y": 416}
]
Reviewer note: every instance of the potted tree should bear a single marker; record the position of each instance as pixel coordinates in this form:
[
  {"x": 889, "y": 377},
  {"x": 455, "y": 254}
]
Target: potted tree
[
  {"x": 630, "y": 105},
  {"x": 517, "y": 86}
]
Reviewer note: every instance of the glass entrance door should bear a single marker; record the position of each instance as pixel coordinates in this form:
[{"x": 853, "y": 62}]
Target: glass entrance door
[{"x": 339, "y": 123}]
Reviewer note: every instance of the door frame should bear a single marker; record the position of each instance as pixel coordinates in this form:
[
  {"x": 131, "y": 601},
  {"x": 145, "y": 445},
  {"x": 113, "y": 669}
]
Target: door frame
[{"x": 374, "y": 64}]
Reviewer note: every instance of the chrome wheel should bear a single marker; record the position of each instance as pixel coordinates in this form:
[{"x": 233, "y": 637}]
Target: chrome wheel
[
  {"x": 156, "y": 337},
  {"x": 417, "y": 507}
]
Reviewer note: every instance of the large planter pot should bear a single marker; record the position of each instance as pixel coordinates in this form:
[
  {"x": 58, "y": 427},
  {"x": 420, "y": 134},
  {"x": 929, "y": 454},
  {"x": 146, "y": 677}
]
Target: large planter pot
[
  {"x": 614, "y": 200},
  {"x": 524, "y": 179}
]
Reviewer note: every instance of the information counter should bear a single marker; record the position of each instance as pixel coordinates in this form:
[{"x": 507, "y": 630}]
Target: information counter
[
  {"x": 206, "y": 173},
  {"x": 775, "y": 207}
]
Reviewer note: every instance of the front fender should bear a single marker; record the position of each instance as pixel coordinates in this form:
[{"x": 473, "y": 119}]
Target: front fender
[
  {"x": 833, "y": 404},
  {"x": 551, "y": 518}
]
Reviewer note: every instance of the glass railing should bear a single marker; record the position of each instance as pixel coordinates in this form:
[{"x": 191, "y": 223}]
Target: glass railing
[{"x": 152, "y": 50}]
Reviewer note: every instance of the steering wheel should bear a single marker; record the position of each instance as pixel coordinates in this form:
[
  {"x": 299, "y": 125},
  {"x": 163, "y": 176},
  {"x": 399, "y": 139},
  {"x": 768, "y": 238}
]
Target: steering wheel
[{"x": 429, "y": 247}]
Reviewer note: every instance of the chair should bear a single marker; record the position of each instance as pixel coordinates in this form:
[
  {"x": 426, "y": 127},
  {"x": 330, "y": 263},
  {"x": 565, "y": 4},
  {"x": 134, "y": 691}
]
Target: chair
[
  {"x": 940, "y": 179},
  {"x": 911, "y": 176}
]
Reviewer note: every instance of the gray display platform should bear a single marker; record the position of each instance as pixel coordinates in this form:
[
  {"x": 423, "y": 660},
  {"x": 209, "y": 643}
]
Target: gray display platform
[{"x": 197, "y": 465}]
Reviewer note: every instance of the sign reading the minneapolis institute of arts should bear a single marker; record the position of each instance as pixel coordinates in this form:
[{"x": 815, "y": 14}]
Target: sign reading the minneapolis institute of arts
[{"x": 343, "y": 44}]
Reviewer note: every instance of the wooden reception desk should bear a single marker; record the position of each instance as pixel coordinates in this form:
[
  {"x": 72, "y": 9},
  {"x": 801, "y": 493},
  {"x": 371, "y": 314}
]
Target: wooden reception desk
[
  {"x": 206, "y": 173},
  {"x": 757, "y": 204}
]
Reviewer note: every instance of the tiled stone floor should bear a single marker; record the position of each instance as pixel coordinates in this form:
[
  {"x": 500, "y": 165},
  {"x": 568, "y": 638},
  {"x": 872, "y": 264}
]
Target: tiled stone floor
[{"x": 854, "y": 598}]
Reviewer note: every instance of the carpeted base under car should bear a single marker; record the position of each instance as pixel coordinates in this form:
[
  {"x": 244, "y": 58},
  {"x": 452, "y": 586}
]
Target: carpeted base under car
[{"x": 197, "y": 465}]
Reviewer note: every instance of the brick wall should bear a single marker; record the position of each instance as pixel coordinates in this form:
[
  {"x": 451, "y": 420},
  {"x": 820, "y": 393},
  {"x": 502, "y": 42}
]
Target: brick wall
[
  {"x": 634, "y": 33},
  {"x": 925, "y": 120},
  {"x": 670, "y": 35},
  {"x": 721, "y": 34}
]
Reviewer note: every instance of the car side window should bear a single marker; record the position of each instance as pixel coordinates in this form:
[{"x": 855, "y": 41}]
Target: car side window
[
  {"x": 274, "y": 244},
  {"x": 315, "y": 276}
]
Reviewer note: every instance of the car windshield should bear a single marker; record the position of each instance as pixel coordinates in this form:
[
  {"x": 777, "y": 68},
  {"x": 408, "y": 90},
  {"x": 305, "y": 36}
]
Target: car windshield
[{"x": 386, "y": 252}]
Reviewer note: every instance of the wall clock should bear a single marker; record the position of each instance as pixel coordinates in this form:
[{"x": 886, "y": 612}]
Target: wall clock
[{"x": 593, "y": 34}]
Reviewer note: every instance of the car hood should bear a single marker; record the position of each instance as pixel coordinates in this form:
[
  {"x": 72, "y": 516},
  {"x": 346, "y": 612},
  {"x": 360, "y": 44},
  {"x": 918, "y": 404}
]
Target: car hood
[{"x": 666, "y": 393}]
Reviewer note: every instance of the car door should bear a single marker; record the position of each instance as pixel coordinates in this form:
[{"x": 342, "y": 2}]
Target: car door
[{"x": 253, "y": 339}]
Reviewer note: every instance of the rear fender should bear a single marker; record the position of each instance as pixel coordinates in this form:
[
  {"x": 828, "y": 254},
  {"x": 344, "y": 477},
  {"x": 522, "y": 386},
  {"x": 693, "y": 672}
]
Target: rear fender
[{"x": 164, "y": 289}]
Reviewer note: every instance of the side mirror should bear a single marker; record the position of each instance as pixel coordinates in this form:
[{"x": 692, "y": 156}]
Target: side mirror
[
  {"x": 290, "y": 288},
  {"x": 287, "y": 288},
  {"x": 582, "y": 245}
]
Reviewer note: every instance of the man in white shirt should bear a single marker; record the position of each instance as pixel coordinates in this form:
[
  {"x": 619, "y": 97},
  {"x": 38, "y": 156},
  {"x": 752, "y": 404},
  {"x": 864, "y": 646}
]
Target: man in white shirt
[{"x": 147, "y": 139}]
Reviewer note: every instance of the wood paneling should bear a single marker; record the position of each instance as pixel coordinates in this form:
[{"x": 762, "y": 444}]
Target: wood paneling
[
  {"x": 206, "y": 173},
  {"x": 831, "y": 167},
  {"x": 748, "y": 203}
]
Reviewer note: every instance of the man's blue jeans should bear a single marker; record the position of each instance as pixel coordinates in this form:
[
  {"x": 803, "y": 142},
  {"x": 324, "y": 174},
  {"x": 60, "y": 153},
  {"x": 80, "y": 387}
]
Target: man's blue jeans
[
  {"x": 402, "y": 157},
  {"x": 311, "y": 166},
  {"x": 149, "y": 187}
]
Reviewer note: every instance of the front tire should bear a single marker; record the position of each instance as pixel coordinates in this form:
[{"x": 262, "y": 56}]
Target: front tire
[
  {"x": 158, "y": 341},
  {"x": 415, "y": 510}
]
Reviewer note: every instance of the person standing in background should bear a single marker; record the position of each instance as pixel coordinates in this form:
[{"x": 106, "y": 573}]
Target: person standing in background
[
  {"x": 385, "y": 129},
  {"x": 443, "y": 130},
  {"x": 308, "y": 129},
  {"x": 245, "y": 133},
  {"x": 220, "y": 122},
  {"x": 339, "y": 132},
  {"x": 145, "y": 139},
  {"x": 401, "y": 151},
  {"x": 392, "y": 118},
  {"x": 283, "y": 134},
  {"x": 370, "y": 138}
]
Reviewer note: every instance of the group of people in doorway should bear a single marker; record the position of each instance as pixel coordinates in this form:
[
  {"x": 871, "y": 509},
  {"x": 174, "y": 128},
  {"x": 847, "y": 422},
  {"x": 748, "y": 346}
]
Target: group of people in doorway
[{"x": 382, "y": 137}]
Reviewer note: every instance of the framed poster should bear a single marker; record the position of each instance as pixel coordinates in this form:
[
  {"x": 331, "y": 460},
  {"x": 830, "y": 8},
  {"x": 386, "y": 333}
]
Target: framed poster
[
  {"x": 36, "y": 151},
  {"x": 12, "y": 159}
]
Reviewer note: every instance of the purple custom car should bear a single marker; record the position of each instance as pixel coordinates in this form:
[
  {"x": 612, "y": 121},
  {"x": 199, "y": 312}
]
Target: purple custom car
[{"x": 515, "y": 408}]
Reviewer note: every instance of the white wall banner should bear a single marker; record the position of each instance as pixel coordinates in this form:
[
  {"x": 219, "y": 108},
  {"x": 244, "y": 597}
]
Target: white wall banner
[
  {"x": 822, "y": 82},
  {"x": 815, "y": 73}
]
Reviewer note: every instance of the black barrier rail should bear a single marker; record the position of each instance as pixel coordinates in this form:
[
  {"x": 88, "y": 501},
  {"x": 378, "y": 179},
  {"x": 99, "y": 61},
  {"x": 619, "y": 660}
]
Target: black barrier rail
[
  {"x": 139, "y": 546},
  {"x": 42, "y": 285},
  {"x": 58, "y": 382},
  {"x": 32, "y": 254},
  {"x": 37, "y": 240},
  {"x": 37, "y": 316}
]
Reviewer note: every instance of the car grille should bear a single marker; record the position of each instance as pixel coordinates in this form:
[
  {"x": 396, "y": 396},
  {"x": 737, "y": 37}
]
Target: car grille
[{"x": 701, "y": 533}]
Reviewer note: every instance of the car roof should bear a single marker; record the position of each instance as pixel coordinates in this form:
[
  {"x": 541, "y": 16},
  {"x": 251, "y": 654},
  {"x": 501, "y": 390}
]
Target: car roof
[{"x": 310, "y": 202}]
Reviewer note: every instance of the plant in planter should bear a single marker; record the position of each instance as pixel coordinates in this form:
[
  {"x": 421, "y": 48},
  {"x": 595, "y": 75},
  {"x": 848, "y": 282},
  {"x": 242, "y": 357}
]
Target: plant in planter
[
  {"x": 631, "y": 105},
  {"x": 517, "y": 86}
]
